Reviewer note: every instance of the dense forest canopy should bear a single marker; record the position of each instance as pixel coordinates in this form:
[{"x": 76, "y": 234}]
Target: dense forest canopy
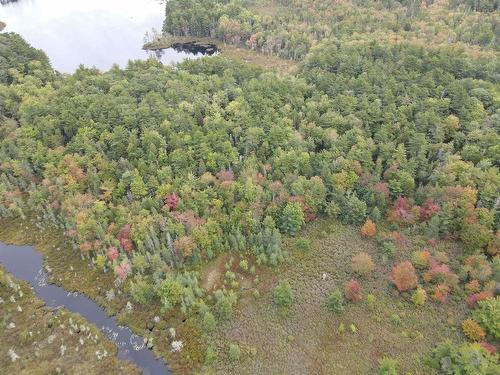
[
  {"x": 151, "y": 169},
  {"x": 289, "y": 28}
]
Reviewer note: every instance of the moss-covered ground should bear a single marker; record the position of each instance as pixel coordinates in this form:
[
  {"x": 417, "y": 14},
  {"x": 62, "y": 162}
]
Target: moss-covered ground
[{"x": 35, "y": 339}]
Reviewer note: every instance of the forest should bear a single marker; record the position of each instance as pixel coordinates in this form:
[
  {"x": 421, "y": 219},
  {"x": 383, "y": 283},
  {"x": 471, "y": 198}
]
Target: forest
[{"x": 390, "y": 126}]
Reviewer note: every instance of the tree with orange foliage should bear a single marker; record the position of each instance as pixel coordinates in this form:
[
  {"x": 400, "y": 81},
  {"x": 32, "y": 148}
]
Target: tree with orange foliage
[
  {"x": 369, "y": 228},
  {"x": 404, "y": 277}
]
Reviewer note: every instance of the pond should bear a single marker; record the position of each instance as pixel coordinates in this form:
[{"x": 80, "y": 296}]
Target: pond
[
  {"x": 24, "y": 262},
  {"x": 96, "y": 33}
]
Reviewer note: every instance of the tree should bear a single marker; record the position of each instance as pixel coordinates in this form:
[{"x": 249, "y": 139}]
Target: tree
[
  {"x": 170, "y": 292},
  {"x": 353, "y": 291},
  {"x": 473, "y": 330},
  {"x": 404, "y": 277},
  {"x": 362, "y": 264},
  {"x": 488, "y": 315},
  {"x": 234, "y": 352},
  {"x": 283, "y": 295},
  {"x": 292, "y": 218},
  {"x": 209, "y": 322},
  {"x": 369, "y": 228},
  {"x": 335, "y": 302}
]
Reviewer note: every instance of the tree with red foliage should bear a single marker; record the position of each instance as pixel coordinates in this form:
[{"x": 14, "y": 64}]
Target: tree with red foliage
[
  {"x": 473, "y": 299},
  {"x": 124, "y": 238},
  {"x": 429, "y": 209},
  {"x": 488, "y": 347},
  {"x": 123, "y": 270},
  {"x": 402, "y": 212},
  {"x": 86, "y": 247},
  {"x": 171, "y": 201},
  {"x": 353, "y": 291},
  {"x": 112, "y": 253},
  {"x": 404, "y": 277}
]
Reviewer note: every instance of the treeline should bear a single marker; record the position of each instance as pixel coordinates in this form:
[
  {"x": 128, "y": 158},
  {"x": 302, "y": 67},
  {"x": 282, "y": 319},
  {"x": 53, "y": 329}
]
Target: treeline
[
  {"x": 151, "y": 166},
  {"x": 290, "y": 28}
]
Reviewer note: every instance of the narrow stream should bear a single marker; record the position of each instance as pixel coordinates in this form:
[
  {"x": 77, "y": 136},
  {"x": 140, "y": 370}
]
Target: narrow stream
[{"x": 24, "y": 262}]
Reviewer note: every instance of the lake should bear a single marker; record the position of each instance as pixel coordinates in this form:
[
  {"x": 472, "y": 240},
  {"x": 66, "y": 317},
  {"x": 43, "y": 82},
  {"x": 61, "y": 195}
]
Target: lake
[{"x": 96, "y": 33}]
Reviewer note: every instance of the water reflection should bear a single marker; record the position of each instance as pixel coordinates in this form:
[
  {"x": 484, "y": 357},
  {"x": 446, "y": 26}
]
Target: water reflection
[
  {"x": 25, "y": 263},
  {"x": 90, "y": 32}
]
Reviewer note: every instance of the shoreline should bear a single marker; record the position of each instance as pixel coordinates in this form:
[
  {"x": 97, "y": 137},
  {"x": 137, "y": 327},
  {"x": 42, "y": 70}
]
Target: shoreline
[
  {"x": 244, "y": 55},
  {"x": 75, "y": 274}
]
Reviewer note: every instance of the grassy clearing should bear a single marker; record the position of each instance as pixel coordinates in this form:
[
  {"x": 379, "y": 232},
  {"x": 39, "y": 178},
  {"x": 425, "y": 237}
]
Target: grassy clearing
[
  {"x": 73, "y": 273},
  {"x": 308, "y": 339},
  {"x": 265, "y": 61},
  {"x": 44, "y": 339}
]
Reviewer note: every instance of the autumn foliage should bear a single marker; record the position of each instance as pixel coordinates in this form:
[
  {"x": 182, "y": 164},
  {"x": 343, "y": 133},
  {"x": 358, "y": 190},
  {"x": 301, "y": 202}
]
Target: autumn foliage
[
  {"x": 404, "y": 277},
  {"x": 124, "y": 238},
  {"x": 353, "y": 291},
  {"x": 362, "y": 264},
  {"x": 171, "y": 201},
  {"x": 473, "y": 330},
  {"x": 112, "y": 253},
  {"x": 369, "y": 229}
]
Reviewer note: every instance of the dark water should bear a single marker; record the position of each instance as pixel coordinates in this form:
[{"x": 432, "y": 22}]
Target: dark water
[
  {"x": 24, "y": 262},
  {"x": 96, "y": 33}
]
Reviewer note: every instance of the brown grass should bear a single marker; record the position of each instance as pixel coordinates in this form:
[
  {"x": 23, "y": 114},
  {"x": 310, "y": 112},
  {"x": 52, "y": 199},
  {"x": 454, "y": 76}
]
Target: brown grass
[{"x": 307, "y": 340}]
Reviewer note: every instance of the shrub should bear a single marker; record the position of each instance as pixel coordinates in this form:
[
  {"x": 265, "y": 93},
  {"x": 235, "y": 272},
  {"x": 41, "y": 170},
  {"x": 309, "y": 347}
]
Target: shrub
[
  {"x": 353, "y": 291},
  {"x": 210, "y": 355},
  {"x": 478, "y": 267},
  {"x": 142, "y": 292},
  {"x": 335, "y": 302},
  {"x": 303, "y": 244},
  {"x": 441, "y": 292},
  {"x": 234, "y": 352},
  {"x": 421, "y": 258},
  {"x": 473, "y": 330},
  {"x": 370, "y": 301},
  {"x": 387, "y": 366},
  {"x": 283, "y": 295},
  {"x": 473, "y": 286},
  {"x": 369, "y": 228},
  {"x": 488, "y": 314},
  {"x": 388, "y": 249},
  {"x": 492, "y": 349},
  {"x": 419, "y": 297},
  {"x": 244, "y": 265},
  {"x": 224, "y": 304},
  {"x": 362, "y": 264},
  {"x": 404, "y": 277}
]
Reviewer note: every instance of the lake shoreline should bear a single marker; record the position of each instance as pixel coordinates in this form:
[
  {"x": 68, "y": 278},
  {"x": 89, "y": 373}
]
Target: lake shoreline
[
  {"x": 75, "y": 274},
  {"x": 244, "y": 55}
]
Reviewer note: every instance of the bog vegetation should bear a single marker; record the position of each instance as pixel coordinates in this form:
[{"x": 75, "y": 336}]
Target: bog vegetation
[{"x": 391, "y": 124}]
